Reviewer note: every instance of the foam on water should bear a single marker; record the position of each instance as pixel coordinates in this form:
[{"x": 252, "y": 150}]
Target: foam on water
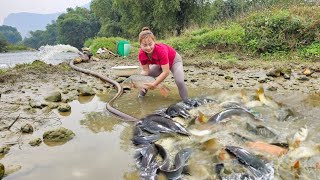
[{"x": 48, "y": 54}]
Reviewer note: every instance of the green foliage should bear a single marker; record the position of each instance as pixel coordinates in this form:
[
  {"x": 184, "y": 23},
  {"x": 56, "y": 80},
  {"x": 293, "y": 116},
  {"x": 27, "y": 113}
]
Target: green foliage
[
  {"x": 311, "y": 51},
  {"x": 108, "y": 17},
  {"x": 278, "y": 30},
  {"x": 103, "y": 42},
  {"x": 40, "y": 38},
  {"x": 88, "y": 42},
  {"x": 223, "y": 37},
  {"x": 75, "y": 26},
  {"x": 3, "y": 43},
  {"x": 18, "y": 47},
  {"x": 11, "y": 34}
]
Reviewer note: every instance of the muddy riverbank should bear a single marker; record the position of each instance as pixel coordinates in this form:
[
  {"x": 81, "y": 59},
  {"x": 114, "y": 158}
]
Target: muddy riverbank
[{"x": 24, "y": 89}]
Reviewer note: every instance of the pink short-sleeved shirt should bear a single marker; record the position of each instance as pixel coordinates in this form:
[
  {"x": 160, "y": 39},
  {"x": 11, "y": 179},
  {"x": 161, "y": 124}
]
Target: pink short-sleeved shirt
[{"x": 162, "y": 54}]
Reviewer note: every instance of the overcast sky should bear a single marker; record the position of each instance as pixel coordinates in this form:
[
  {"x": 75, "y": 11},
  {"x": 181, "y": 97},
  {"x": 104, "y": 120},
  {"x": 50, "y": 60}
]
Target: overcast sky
[{"x": 37, "y": 6}]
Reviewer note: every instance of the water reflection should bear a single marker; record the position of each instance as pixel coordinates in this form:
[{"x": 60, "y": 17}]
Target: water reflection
[
  {"x": 99, "y": 122},
  {"x": 85, "y": 99}
]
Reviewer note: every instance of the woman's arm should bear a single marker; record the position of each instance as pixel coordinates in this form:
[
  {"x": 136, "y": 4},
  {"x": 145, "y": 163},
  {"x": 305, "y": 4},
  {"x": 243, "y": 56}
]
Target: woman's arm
[
  {"x": 160, "y": 78},
  {"x": 145, "y": 70}
]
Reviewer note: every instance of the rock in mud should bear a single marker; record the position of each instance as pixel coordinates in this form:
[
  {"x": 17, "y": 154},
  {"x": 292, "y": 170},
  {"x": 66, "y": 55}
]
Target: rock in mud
[
  {"x": 86, "y": 91},
  {"x": 4, "y": 150},
  {"x": 35, "y": 142},
  {"x": 27, "y": 128},
  {"x": 54, "y": 96},
  {"x": 1, "y": 171},
  {"x": 58, "y": 135},
  {"x": 64, "y": 108}
]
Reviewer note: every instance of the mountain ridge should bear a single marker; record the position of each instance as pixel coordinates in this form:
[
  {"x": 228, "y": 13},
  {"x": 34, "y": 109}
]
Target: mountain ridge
[{"x": 27, "y": 21}]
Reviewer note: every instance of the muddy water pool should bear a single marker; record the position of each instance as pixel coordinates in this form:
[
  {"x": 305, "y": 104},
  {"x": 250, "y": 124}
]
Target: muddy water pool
[{"x": 102, "y": 148}]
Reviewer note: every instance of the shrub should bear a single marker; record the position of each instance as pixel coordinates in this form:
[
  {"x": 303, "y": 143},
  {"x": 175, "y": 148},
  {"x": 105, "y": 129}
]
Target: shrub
[
  {"x": 311, "y": 51},
  {"x": 279, "y": 30}
]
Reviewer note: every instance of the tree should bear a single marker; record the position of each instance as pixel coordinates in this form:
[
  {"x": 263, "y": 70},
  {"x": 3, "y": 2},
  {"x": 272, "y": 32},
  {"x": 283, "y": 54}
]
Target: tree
[
  {"x": 77, "y": 25},
  {"x": 3, "y": 43},
  {"x": 11, "y": 34},
  {"x": 40, "y": 38},
  {"x": 108, "y": 17}
]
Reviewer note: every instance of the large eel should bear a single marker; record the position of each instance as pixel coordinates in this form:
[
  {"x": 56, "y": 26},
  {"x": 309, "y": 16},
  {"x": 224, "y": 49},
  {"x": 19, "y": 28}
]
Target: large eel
[{"x": 109, "y": 107}]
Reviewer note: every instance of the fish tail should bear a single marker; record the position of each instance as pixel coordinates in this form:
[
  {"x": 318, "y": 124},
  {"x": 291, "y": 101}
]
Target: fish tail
[
  {"x": 164, "y": 91},
  {"x": 201, "y": 117}
]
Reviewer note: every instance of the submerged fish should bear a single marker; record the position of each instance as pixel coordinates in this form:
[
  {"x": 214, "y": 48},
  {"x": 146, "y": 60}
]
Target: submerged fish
[
  {"x": 177, "y": 110},
  {"x": 261, "y": 130},
  {"x": 180, "y": 161},
  {"x": 139, "y": 137},
  {"x": 139, "y": 81},
  {"x": 251, "y": 161},
  {"x": 156, "y": 123},
  {"x": 235, "y": 111}
]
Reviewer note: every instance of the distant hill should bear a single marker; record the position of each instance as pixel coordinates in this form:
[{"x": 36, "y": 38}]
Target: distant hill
[{"x": 25, "y": 22}]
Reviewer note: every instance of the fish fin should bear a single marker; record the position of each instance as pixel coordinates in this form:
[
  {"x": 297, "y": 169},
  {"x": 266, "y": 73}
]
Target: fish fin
[
  {"x": 260, "y": 91},
  {"x": 164, "y": 91},
  {"x": 296, "y": 165},
  {"x": 201, "y": 118}
]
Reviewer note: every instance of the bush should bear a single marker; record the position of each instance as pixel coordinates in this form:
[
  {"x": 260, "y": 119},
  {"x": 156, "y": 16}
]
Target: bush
[
  {"x": 311, "y": 51},
  {"x": 279, "y": 30},
  {"x": 88, "y": 42},
  {"x": 224, "y": 37},
  {"x": 13, "y": 47}
]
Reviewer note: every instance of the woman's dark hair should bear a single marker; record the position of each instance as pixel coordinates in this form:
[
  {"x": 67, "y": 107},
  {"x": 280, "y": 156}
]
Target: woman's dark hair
[{"x": 146, "y": 33}]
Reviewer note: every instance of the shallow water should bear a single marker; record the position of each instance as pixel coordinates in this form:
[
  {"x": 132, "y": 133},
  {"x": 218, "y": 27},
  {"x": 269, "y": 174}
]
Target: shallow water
[
  {"x": 102, "y": 149},
  {"x": 49, "y": 54}
]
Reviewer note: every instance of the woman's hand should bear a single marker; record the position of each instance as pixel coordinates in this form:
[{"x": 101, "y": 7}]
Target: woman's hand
[{"x": 150, "y": 86}]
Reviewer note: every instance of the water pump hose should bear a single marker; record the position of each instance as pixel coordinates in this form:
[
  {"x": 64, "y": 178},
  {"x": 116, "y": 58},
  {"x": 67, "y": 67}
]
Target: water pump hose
[{"x": 109, "y": 107}]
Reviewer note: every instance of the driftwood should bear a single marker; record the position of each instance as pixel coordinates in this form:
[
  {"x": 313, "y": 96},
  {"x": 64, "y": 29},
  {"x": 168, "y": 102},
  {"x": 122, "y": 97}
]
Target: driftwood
[{"x": 8, "y": 127}]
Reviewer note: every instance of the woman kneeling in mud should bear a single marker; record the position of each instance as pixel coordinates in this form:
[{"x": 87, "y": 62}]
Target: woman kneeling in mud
[{"x": 157, "y": 60}]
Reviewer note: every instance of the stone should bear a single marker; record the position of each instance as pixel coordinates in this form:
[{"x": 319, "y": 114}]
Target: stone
[
  {"x": 54, "y": 96},
  {"x": 58, "y": 135},
  {"x": 64, "y": 108},
  {"x": 35, "y": 142},
  {"x": 27, "y": 128},
  {"x": 86, "y": 91},
  {"x": 2, "y": 170}
]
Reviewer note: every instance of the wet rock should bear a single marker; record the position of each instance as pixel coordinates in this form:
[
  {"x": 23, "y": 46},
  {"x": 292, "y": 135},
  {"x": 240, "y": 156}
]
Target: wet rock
[
  {"x": 35, "y": 142},
  {"x": 37, "y": 104},
  {"x": 58, "y": 135},
  {"x": 307, "y": 72},
  {"x": 303, "y": 78},
  {"x": 272, "y": 88},
  {"x": 121, "y": 79},
  {"x": 286, "y": 76},
  {"x": 64, "y": 108},
  {"x": 54, "y": 97},
  {"x": 274, "y": 73},
  {"x": 4, "y": 150},
  {"x": 27, "y": 128},
  {"x": 12, "y": 168},
  {"x": 228, "y": 78},
  {"x": 86, "y": 91},
  {"x": 1, "y": 170},
  {"x": 262, "y": 80}
]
